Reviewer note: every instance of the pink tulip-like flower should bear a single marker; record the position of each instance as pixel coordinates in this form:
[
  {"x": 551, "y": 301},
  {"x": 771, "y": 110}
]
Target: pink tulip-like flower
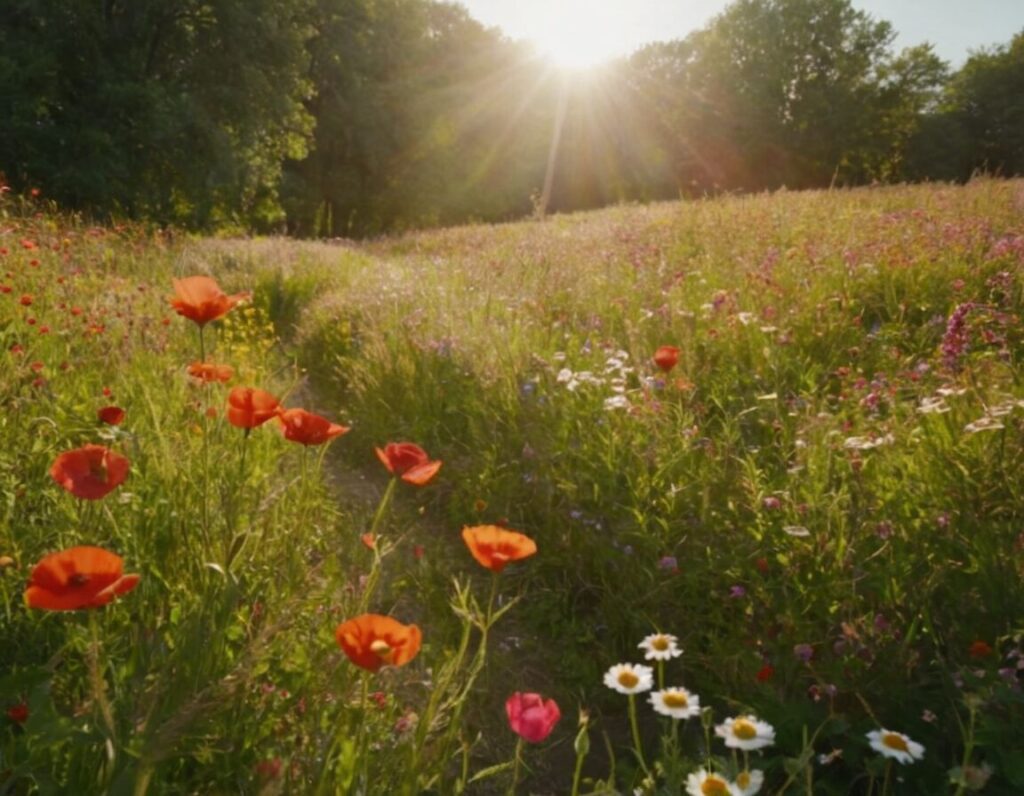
[{"x": 531, "y": 717}]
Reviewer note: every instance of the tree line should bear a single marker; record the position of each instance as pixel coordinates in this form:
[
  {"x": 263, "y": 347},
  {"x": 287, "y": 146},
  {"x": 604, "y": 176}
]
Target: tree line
[{"x": 358, "y": 117}]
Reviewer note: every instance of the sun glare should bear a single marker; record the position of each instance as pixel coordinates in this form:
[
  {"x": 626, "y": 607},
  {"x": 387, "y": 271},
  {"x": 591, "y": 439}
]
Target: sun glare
[{"x": 575, "y": 34}]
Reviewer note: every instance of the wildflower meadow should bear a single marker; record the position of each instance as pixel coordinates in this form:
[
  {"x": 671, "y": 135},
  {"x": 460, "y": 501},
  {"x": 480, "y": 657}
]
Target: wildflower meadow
[{"x": 707, "y": 497}]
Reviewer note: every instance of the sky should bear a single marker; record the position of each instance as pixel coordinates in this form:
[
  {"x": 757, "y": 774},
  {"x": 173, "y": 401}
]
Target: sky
[{"x": 581, "y": 32}]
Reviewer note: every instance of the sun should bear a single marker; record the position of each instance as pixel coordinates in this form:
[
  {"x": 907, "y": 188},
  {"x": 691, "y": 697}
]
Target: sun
[{"x": 575, "y": 34}]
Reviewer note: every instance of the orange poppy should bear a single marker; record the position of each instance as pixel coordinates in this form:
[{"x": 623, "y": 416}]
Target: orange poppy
[
  {"x": 666, "y": 357},
  {"x": 91, "y": 472},
  {"x": 299, "y": 425},
  {"x": 208, "y": 372},
  {"x": 495, "y": 547},
  {"x": 371, "y": 641},
  {"x": 80, "y": 577},
  {"x": 409, "y": 462},
  {"x": 249, "y": 407},
  {"x": 111, "y": 415},
  {"x": 200, "y": 299}
]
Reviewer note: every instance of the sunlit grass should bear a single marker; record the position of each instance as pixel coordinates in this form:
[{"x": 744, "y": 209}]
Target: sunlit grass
[{"x": 818, "y": 499}]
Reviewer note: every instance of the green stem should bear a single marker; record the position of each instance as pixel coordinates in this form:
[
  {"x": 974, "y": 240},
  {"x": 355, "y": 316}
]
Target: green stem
[
  {"x": 374, "y": 576},
  {"x": 887, "y": 784},
  {"x": 515, "y": 767},
  {"x": 636, "y": 734},
  {"x": 968, "y": 750}
]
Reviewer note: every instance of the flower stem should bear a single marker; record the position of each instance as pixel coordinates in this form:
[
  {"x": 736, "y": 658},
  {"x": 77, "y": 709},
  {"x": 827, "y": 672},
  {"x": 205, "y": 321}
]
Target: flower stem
[
  {"x": 887, "y": 784},
  {"x": 636, "y": 734},
  {"x": 515, "y": 767}
]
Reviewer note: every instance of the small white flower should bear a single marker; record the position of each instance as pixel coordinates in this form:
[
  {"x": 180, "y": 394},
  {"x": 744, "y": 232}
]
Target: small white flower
[
  {"x": 745, "y": 317},
  {"x": 749, "y": 782},
  {"x": 895, "y": 745},
  {"x": 932, "y": 406},
  {"x": 616, "y": 402},
  {"x": 704, "y": 783},
  {"x": 866, "y": 443},
  {"x": 746, "y": 732},
  {"x": 1001, "y": 410},
  {"x": 796, "y": 530},
  {"x": 564, "y": 375},
  {"x": 946, "y": 392},
  {"x": 675, "y": 702},
  {"x": 558, "y": 356},
  {"x": 629, "y": 678},
  {"x": 983, "y": 424},
  {"x": 660, "y": 647}
]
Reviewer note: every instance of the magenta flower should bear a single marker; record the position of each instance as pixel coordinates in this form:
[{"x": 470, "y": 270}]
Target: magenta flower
[{"x": 531, "y": 717}]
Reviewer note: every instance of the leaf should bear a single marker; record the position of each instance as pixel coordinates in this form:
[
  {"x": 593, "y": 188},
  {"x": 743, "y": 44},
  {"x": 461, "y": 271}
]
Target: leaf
[{"x": 491, "y": 771}]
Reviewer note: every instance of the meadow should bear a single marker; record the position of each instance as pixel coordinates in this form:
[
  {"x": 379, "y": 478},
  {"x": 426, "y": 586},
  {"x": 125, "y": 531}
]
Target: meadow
[{"x": 710, "y": 497}]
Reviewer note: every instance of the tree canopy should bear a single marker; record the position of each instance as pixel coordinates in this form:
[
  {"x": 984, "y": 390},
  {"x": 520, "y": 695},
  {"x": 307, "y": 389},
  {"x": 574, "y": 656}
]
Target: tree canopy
[{"x": 356, "y": 117}]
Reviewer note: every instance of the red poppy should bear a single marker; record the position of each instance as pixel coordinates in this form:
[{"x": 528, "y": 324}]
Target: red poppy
[
  {"x": 980, "y": 649},
  {"x": 91, "y": 472},
  {"x": 80, "y": 577},
  {"x": 111, "y": 415},
  {"x": 208, "y": 372},
  {"x": 25, "y": 300},
  {"x": 765, "y": 673},
  {"x": 409, "y": 462},
  {"x": 307, "y": 428},
  {"x": 666, "y": 357},
  {"x": 18, "y": 713},
  {"x": 200, "y": 299},
  {"x": 249, "y": 407},
  {"x": 531, "y": 717},
  {"x": 371, "y": 641},
  {"x": 494, "y": 547}
]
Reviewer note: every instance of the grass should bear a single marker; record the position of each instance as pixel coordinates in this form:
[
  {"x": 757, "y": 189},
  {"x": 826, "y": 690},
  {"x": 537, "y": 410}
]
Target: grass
[{"x": 820, "y": 500}]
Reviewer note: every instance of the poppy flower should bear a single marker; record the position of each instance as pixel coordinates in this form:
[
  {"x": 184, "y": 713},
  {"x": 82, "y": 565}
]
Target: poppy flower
[
  {"x": 371, "y": 641},
  {"x": 111, "y": 415},
  {"x": 494, "y": 547},
  {"x": 408, "y": 462},
  {"x": 80, "y": 577},
  {"x": 18, "y": 713},
  {"x": 307, "y": 428},
  {"x": 249, "y": 407},
  {"x": 980, "y": 649},
  {"x": 91, "y": 472},
  {"x": 531, "y": 716},
  {"x": 200, "y": 299},
  {"x": 666, "y": 357},
  {"x": 208, "y": 372}
]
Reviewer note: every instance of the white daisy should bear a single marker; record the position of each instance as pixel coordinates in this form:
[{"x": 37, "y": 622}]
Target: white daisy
[
  {"x": 704, "y": 783},
  {"x": 660, "y": 647},
  {"x": 629, "y": 678},
  {"x": 749, "y": 782},
  {"x": 895, "y": 745},
  {"x": 746, "y": 732},
  {"x": 675, "y": 702}
]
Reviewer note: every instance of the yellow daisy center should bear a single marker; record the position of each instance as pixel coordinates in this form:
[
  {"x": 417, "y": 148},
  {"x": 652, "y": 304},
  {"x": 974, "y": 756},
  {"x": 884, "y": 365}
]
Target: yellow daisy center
[
  {"x": 660, "y": 643},
  {"x": 744, "y": 730},
  {"x": 628, "y": 680},
  {"x": 894, "y": 741},
  {"x": 713, "y": 786},
  {"x": 743, "y": 779},
  {"x": 675, "y": 699}
]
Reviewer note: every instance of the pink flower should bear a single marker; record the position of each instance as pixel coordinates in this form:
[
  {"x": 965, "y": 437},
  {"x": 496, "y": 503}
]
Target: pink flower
[{"x": 531, "y": 717}]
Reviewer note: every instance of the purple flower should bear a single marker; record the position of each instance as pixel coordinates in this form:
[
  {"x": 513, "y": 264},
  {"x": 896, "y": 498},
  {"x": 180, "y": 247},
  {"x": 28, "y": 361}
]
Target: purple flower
[
  {"x": 804, "y": 652},
  {"x": 772, "y": 503},
  {"x": 737, "y": 591},
  {"x": 956, "y": 338},
  {"x": 669, "y": 563}
]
